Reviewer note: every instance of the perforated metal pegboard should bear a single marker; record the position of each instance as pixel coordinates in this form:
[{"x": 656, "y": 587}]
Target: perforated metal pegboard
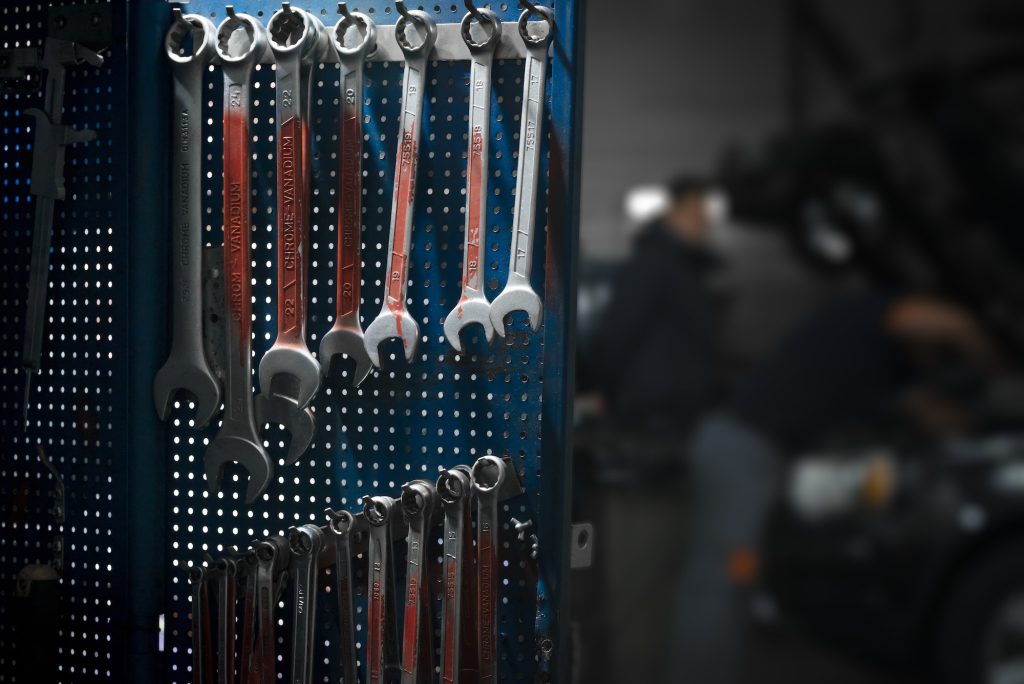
[
  {"x": 76, "y": 411},
  {"x": 442, "y": 409}
]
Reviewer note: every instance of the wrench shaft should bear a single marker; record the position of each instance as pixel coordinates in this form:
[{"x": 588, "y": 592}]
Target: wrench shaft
[
  {"x": 351, "y": 199},
  {"x": 525, "y": 214}
]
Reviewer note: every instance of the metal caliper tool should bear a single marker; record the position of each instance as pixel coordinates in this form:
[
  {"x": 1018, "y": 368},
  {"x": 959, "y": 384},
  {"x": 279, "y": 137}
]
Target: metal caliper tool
[
  {"x": 488, "y": 477},
  {"x": 241, "y": 43},
  {"x": 203, "y": 665},
  {"x": 345, "y": 338},
  {"x": 454, "y": 490},
  {"x": 342, "y": 526},
  {"x": 518, "y": 294},
  {"x": 226, "y": 603},
  {"x": 419, "y": 506},
  {"x": 306, "y": 542},
  {"x": 382, "y": 631},
  {"x": 473, "y": 306},
  {"x": 272, "y": 558},
  {"x": 394, "y": 319},
  {"x": 289, "y": 375},
  {"x": 187, "y": 367}
]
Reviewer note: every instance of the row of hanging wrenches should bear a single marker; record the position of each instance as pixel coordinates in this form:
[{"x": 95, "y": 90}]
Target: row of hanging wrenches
[
  {"x": 289, "y": 375},
  {"x": 469, "y": 589}
]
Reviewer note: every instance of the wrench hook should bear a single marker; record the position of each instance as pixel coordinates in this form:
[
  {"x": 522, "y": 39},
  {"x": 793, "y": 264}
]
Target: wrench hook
[
  {"x": 343, "y": 11},
  {"x": 534, "y": 10},
  {"x": 475, "y": 12},
  {"x": 404, "y": 11}
]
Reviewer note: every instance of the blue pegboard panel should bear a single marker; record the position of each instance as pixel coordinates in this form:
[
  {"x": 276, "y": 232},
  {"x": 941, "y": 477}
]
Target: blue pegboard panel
[{"x": 78, "y": 404}]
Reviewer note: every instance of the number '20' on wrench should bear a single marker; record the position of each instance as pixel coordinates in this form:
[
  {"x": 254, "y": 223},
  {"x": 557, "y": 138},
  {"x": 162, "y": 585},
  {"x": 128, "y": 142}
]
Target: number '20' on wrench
[
  {"x": 289, "y": 375},
  {"x": 241, "y": 43},
  {"x": 345, "y": 338},
  {"x": 187, "y": 367},
  {"x": 394, "y": 319},
  {"x": 473, "y": 306},
  {"x": 518, "y": 294}
]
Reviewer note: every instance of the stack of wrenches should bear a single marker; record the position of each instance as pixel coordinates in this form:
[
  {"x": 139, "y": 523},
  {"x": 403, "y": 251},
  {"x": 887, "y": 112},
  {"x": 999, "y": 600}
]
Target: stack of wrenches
[{"x": 469, "y": 635}]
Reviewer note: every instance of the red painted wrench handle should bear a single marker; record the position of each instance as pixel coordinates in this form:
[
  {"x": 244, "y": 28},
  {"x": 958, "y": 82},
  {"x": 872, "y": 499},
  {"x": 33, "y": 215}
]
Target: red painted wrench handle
[
  {"x": 405, "y": 190},
  {"x": 238, "y": 281},
  {"x": 292, "y": 230},
  {"x": 349, "y": 218}
]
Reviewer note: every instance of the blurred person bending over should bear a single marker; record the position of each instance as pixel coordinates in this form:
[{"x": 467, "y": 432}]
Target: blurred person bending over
[
  {"x": 841, "y": 367},
  {"x": 653, "y": 357}
]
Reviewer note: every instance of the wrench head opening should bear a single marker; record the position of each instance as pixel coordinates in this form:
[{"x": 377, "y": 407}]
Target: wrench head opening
[
  {"x": 488, "y": 474},
  {"x": 467, "y": 313},
  {"x": 339, "y": 343},
  {"x": 516, "y": 298},
  {"x": 190, "y": 38},
  {"x": 388, "y": 325},
  {"x": 290, "y": 372},
  {"x": 232, "y": 449},
  {"x": 199, "y": 381},
  {"x": 300, "y": 423},
  {"x": 241, "y": 40}
]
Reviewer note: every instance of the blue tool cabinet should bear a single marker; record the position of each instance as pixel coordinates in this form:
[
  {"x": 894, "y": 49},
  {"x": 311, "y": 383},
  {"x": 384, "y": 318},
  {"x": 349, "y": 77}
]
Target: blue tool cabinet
[{"x": 138, "y": 509}]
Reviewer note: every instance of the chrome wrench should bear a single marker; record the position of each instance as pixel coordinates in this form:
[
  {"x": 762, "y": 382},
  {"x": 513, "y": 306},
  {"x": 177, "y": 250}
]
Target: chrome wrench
[
  {"x": 202, "y": 669},
  {"x": 473, "y": 306},
  {"x": 346, "y": 336},
  {"x": 419, "y": 504},
  {"x": 342, "y": 524},
  {"x": 518, "y": 294},
  {"x": 306, "y": 542},
  {"x": 226, "y": 604},
  {"x": 241, "y": 43},
  {"x": 247, "y": 565},
  {"x": 394, "y": 319},
  {"x": 289, "y": 375},
  {"x": 454, "y": 490},
  {"x": 379, "y": 512},
  {"x": 272, "y": 558},
  {"x": 187, "y": 367},
  {"x": 488, "y": 476}
]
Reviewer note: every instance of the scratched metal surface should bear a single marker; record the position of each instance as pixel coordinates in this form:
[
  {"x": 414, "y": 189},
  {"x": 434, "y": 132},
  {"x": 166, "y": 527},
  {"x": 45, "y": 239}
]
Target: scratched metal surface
[
  {"x": 74, "y": 407},
  {"x": 407, "y": 420}
]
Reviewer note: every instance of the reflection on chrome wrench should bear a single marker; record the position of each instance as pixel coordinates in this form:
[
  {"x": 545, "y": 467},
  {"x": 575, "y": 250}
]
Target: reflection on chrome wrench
[{"x": 518, "y": 294}]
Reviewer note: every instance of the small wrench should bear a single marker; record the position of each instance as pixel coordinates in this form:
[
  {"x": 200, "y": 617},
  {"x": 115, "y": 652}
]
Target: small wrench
[
  {"x": 379, "y": 512},
  {"x": 342, "y": 524},
  {"x": 247, "y": 568},
  {"x": 518, "y": 294},
  {"x": 241, "y": 43},
  {"x": 289, "y": 375},
  {"x": 272, "y": 557},
  {"x": 394, "y": 319},
  {"x": 488, "y": 476},
  {"x": 187, "y": 367},
  {"x": 473, "y": 306},
  {"x": 453, "y": 488},
  {"x": 306, "y": 542},
  {"x": 346, "y": 336},
  {"x": 226, "y": 585},
  {"x": 202, "y": 666},
  {"x": 419, "y": 504}
]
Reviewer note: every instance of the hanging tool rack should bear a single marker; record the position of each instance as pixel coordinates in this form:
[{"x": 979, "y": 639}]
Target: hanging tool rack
[{"x": 139, "y": 513}]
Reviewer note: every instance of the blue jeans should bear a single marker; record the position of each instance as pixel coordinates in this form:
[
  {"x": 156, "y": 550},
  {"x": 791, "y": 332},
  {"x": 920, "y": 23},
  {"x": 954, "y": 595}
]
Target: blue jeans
[{"x": 736, "y": 477}]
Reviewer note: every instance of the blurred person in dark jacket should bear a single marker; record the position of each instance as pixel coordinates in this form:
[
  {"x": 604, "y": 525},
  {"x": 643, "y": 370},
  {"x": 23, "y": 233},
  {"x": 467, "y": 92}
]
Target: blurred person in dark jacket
[
  {"x": 843, "y": 366},
  {"x": 654, "y": 351}
]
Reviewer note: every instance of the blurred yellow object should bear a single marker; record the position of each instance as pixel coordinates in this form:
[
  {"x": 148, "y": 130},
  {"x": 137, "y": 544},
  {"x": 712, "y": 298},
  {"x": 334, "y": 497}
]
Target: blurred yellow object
[{"x": 879, "y": 484}]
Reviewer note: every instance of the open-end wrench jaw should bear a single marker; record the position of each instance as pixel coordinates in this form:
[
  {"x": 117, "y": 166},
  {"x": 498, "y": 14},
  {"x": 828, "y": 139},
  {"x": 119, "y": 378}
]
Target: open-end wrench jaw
[
  {"x": 229, "y": 448},
  {"x": 183, "y": 374},
  {"x": 290, "y": 372},
  {"x": 300, "y": 423},
  {"x": 516, "y": 297},
  {"x": 397, "y": 323},
  {"x": 339, "y": 343}
]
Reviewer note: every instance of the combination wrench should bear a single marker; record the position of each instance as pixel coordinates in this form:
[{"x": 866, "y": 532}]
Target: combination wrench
[
  {"x": 247, "y": 564},
  {"x": 419, "y": 504},
  {"x": 272, "y": 558},
  {"x": 226, "y": 604},
  {"x": 306, "y": 542},
  {"x": 342, "y": 526},
  {"x": 454, "y": 490},
  {"x": 202, "y": 648},
  {"x": 488, "y": 476},
  {"x": 380, "y": 513},
  {"x": 187, "y": 367},
  {"x": 473, "y": 306},
  {"x": 518, "y": 294},
  {"x": 394, "y": 319},
  {"x": 241, "y": 43},
  {"x": 289, "y": 375},
  {"x": 345, "y": 338}
]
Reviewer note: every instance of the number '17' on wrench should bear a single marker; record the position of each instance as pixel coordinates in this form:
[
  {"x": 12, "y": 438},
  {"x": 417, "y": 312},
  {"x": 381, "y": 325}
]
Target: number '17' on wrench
[{"x": 518, "y": 294}]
